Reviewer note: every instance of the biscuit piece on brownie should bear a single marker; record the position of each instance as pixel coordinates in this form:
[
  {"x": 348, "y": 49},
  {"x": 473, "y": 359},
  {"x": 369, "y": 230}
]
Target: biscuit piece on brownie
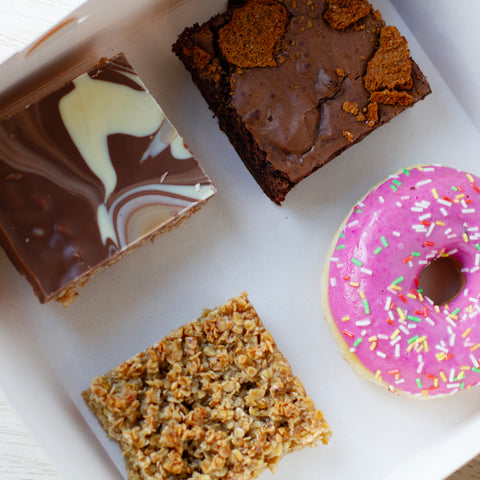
[
  {"x": 276, "y": 74},
  {"x": 87, "y": 174},
  {"x": 214, "y": 399}
]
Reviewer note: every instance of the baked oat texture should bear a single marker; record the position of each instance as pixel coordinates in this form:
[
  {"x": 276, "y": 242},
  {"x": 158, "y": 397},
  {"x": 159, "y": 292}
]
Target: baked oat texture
[{"x": 215, "y": 399}]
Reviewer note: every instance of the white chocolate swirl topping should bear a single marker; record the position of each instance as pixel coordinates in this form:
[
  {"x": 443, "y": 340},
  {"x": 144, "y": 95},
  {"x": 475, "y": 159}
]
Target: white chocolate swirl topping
[{"x": 88, "y": 172}]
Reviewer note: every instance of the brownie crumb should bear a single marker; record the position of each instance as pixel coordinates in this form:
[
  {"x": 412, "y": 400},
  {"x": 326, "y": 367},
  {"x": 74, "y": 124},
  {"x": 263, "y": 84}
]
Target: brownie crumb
[
  {"x": 200, "y": 56},
  {"x": 342, "y": 13},
  {"x": 392, "y": 97},
  {"x": 372, "y": 114},
  {"x": 348, "y": 135},
  {"x": 391, "y": 66},
  {"x": 350, "y": 107},
  {"x": 369, "y": 115},
  {"x": 253, "y": 36},
  {"x": 376, "y": 15}
]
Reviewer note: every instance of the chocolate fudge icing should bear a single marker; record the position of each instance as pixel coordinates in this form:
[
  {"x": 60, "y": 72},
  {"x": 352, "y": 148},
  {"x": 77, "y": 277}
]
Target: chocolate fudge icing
[
  {"x": 287, "y": 119},
  {"x": 87, "y": 173}
]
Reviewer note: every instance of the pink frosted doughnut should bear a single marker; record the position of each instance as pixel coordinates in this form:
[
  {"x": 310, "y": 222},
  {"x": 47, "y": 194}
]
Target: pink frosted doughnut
[{"x": 386, "y": 328}]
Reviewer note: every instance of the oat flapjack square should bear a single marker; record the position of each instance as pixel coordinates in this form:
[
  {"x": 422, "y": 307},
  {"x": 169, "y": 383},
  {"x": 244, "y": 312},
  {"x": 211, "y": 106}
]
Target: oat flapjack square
[{"x": 215, "y": 399}]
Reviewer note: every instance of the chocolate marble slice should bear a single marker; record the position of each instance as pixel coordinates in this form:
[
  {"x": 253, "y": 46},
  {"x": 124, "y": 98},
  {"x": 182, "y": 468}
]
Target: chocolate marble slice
[{"x": 87, "y": 173}]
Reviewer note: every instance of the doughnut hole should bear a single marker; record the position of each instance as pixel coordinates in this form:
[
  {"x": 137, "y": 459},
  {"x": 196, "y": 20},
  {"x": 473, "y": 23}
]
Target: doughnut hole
[{"x": 442, "y": 280}]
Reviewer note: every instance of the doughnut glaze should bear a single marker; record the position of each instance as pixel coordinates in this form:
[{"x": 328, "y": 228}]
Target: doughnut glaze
[{"x": 387, "y": 329}]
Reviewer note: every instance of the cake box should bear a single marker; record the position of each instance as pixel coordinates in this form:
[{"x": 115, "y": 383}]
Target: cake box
[{"x": 241, "y": 241}]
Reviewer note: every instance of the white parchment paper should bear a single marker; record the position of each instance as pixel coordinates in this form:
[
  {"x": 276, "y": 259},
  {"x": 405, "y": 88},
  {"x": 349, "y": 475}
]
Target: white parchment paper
[
  {"x": 241, "y": 241},
  {"x": 449, "y": 33}
]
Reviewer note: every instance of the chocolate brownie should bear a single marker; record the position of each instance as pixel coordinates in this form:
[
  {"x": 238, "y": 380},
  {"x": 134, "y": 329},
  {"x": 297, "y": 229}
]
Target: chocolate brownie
[
  {"x": 88, "y": 173},
  {"x": 294, "y": 83}
]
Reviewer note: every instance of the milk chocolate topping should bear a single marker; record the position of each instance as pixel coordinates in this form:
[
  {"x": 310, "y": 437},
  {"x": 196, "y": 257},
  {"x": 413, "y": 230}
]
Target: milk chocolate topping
[
  {"x": 88, "y": 172},
  {"x": 293, "y": 110},
  {"x": 285, "y": 117}
]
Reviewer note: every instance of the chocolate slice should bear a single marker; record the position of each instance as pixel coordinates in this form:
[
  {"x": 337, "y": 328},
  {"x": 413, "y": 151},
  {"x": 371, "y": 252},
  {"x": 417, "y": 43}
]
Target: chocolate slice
[
  {"x": 87, "y": 173},
  {"x": 278, "y": 93}
]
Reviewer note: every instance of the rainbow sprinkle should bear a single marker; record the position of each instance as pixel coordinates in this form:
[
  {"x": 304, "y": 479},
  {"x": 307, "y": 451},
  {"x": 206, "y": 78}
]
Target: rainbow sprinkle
[{"x": 417, "y": 227}]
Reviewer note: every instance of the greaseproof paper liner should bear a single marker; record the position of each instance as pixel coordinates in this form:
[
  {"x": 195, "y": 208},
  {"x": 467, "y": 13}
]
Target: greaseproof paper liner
[{"x": 241, "y": 241}]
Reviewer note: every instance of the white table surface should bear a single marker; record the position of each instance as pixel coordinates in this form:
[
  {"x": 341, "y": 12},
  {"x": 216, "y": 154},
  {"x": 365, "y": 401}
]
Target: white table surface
[{"x": 21, "y": 458}]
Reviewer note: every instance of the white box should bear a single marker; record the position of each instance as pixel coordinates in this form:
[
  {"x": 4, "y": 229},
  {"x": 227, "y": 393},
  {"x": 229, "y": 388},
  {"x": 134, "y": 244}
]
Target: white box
[{"x": 239, "y": 241}]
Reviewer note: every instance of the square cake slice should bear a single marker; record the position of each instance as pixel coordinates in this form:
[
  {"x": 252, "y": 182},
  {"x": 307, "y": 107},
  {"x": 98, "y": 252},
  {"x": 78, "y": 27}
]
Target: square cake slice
[
  {"x": 214, "y": 399},
  {"x": 88, "y": 173},
  {"x": 295, "y": 83}
]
